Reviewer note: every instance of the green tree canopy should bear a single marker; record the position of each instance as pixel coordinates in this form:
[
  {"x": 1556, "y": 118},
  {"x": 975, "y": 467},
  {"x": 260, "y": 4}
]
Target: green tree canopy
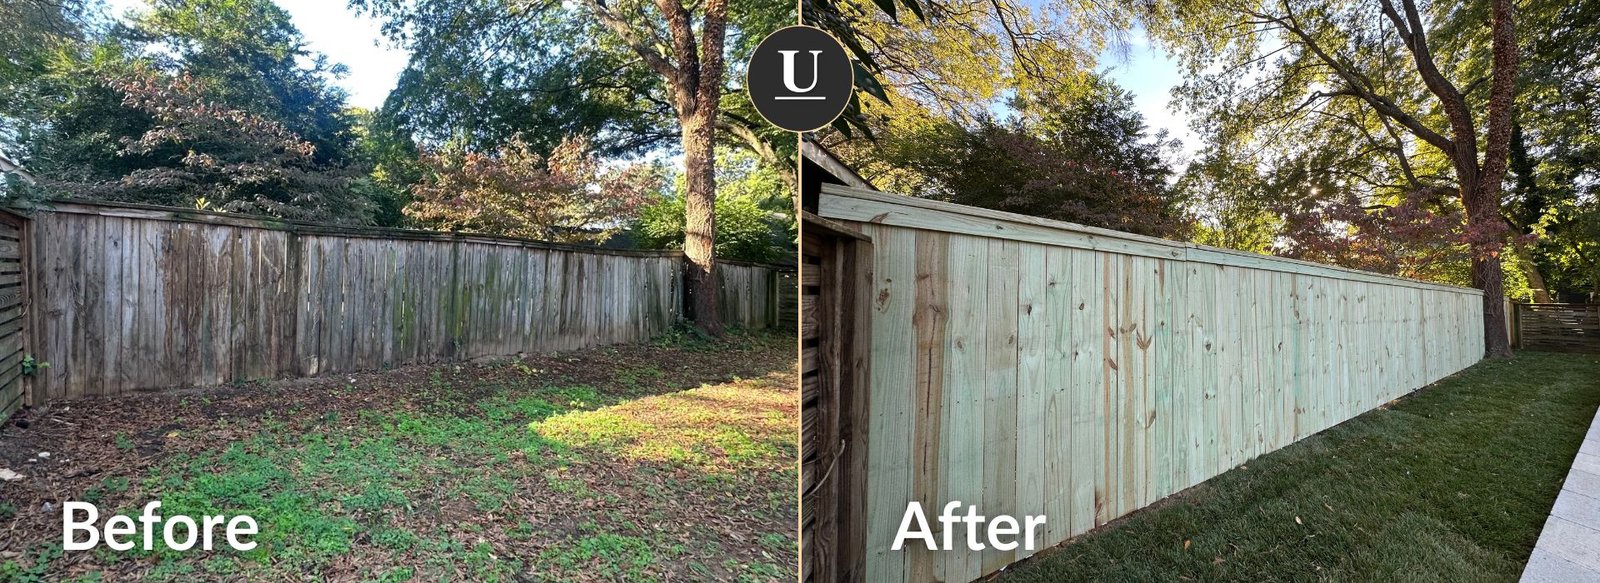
[
  {"x": 1369, "y": 104},
  {"x": 659, "y": 68},
  {"x": 32, "y": 33},
  {"x": 482, "y": 73},
  {"x": 199, "y": 103},
  {"x": 1087, "y": 160},
  {"x": 755, "y": 217}
]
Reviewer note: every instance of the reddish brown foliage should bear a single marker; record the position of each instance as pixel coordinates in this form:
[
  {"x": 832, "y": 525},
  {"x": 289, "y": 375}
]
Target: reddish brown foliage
[{"x": 567, "y": 196}]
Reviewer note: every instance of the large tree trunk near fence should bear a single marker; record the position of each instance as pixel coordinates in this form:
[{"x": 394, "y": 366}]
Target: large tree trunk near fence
[
  {"x": 1488, "y": 276},
  {"x": 1480, "y": 185},
  {"x": 692, "y": 66},
  {"x": 1486, "y": 228},
  {"x": 700, "y": 222},
  {"x": 1486, "y": 234}
]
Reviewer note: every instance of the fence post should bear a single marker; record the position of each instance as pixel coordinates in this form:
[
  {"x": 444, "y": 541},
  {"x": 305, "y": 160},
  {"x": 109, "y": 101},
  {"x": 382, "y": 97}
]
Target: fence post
[
  {"x": 452, "y": 309},
  {"x": 1515, "y": 326},
  {"x": 289, "y": 355},
  {"x": 773, "y": 281}
]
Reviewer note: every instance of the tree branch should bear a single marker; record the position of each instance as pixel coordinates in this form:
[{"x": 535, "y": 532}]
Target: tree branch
[
  {"x": 1450, "y": 98},
  {"x": 651, "y": 56},
  {"x": 1358, "y": 86}
]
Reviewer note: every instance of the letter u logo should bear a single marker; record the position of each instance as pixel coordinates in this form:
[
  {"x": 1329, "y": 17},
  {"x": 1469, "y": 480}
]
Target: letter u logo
[
  {"x": 784, "y": 93},
  {"x": 789, "y": 77}
]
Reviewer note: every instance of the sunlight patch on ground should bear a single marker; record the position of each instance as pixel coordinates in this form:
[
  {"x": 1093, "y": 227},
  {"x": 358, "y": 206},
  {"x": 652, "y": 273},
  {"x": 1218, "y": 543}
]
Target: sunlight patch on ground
[{"x": 746, "y": 424}]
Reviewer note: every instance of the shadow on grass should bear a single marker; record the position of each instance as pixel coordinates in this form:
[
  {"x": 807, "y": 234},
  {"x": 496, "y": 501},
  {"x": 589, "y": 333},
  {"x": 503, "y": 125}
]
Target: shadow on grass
[
  {"x": 435, "y": 473},
  {"x": 1450, "y": 484}
]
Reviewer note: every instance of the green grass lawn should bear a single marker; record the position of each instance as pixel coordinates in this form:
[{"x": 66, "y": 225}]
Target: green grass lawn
[
  {"x": 1451, "y": 484},
  {"x": 639, "y": 463}
]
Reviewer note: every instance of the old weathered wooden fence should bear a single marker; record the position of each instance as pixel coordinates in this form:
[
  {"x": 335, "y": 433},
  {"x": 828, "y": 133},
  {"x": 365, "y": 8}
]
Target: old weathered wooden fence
[
  {"x": 1033, "y": 367},
  {"x": 751, "y": 295},
  {"x": 128, "y": 298},
  {"x": 13, "y": 312}
]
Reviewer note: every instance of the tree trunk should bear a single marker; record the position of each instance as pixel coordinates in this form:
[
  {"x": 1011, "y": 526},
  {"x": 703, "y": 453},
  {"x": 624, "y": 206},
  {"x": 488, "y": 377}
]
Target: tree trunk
[
  {"x": 1488, "y": 276},
  {"x": 1486, "y": 233},
  {"x": 700, "y": 222},
  {"x": 1486, "y": 228}
]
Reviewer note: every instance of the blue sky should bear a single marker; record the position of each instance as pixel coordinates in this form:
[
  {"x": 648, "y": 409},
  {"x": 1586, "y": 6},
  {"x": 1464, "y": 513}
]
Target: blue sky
[
  {"x": 331, "y": 28},
  {"x": 1150, "y": 74}
]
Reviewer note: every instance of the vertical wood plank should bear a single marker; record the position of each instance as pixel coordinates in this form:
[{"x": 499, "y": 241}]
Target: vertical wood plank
[
  {"x": 1000, "y": 382},
  {"x": 964, "y": 381},
  {"x": 1088, "y": 397},
  {"x": 894, "y": 295},
  {"x": 1061, "y": 414},
  {"x": 1033, "y": 392},
  {"x": 930, "y": 320}
]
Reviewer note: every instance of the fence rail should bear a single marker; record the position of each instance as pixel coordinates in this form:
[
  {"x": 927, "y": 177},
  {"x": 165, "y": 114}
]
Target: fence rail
[
  {"x": 1561, "y": 327},
  {"x": 132, "y": 298},
  {"x": 1033, "y": 367}
]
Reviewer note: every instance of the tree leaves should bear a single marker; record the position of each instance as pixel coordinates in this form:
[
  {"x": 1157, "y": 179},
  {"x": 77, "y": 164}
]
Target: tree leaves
[
  {"x": 568, "y": 196},
  {"x": 1086, "y": 160},
  {"x": 197, "y": 149}
]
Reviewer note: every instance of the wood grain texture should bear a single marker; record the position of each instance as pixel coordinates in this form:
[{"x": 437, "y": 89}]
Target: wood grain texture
[
  {"x": 929, "y": 319},
  {"x": 133, "y": 298},
  {"x": 1086, "y": 376},
  {"x": 1561, "y": 327},
  {"x": 893, "y": 341},
  {"x": 16, "y": 389}
]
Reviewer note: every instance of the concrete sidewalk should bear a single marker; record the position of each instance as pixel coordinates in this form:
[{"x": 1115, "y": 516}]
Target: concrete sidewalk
[{"x": 1568, "y": 550}]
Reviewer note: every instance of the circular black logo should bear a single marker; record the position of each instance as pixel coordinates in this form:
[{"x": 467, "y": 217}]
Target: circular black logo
[{"x": 800, "y": 78}]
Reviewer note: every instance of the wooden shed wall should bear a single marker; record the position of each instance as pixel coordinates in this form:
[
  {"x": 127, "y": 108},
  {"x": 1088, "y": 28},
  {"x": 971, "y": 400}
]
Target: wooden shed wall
[
  {"x": 135, "y": 298},
  {"x": 13, "y": 312},
  {"x": 1034, "y": 367}
]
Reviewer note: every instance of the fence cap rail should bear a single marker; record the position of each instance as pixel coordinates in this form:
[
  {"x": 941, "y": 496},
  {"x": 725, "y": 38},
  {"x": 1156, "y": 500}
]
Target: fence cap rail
[
  {"x": 179, "y": 214},
  {"x": 869, "y": 206}
]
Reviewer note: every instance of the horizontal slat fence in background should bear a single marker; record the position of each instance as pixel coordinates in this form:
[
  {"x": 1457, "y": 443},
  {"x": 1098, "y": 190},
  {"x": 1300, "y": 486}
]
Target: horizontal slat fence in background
[
  {"x": 13, "y": 316},
  {"x": 1562, "y": 327},
  {"x": 1033, "y": 367},
  {"x": 130, "y": 298}
]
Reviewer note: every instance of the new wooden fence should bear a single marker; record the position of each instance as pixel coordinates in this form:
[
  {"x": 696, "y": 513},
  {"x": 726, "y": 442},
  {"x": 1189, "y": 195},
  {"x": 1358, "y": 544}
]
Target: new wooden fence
[
  {"x": 1033, "y": 367},
  {"x": 130, "y": 298}
]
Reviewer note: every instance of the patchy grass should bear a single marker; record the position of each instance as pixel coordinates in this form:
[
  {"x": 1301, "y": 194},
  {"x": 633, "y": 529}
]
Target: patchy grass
[
  {"x": 493, "y": 471},
  {"x": 1451, "y": 484},
  {"x": 731, "y": 427}
]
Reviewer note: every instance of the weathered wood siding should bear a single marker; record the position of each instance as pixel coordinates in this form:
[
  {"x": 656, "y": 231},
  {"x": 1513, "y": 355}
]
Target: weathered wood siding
[
  {"x": 833, "y": 407},
  {"x": 788, "y": 299},
  {"x": 13, "y": 313},
  {"x": 135, "y": 298},
  {"x": 752, "y": 296},
  {"x": 1039, "y": 368}
]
